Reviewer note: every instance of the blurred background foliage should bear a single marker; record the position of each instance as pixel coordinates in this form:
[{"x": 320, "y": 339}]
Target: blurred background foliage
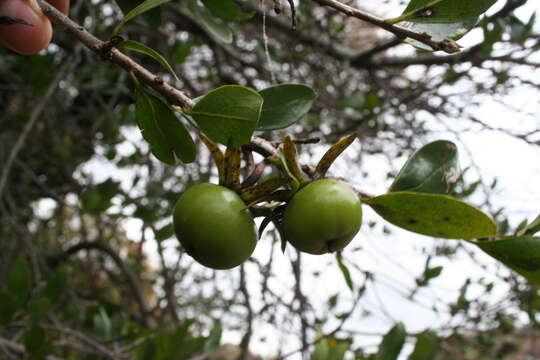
[{"x": 88, "y": 265}]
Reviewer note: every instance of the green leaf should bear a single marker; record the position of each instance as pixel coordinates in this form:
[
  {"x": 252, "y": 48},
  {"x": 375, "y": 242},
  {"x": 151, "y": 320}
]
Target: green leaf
[
  {"x": 8, "y": 307},
  {"x": 214, "y": 338},
  {"x": 56, "y": 285},
  {"x": 442, "y": 19},
  {"x": 150, "y": 18},
  {"x": 227, "y": 10},
  {"x": 284, "y": 105},
  {"x": 220, "y": 32},
  {"x": 19, "y": 280},
  {"x": 433, "y": 168},
  {"x": 229, "y": 114},
  {"x": 159, "y": 126},
  {"x": 521, "y": 254},
  {"x": 432, "y": 273},
  {"x": 530, "y": 229},
  {"x": 97, "y": 199},
  {"x": 137, "y": 46},
  {"x": 392, "y": 343},
  {"x": 102, "y": 322},
  {"x": 433, "y": 215},
  {"x": 445, "y": 11},
  {"x": 34, "y": 340},
  {"x": 37, "y": 308},
  {"x": 426, "y": 346},
  {"x": 331, "y": 349},
  {"x": 143, "y": 7},
  {"x": 165, "y": 232},
  {"x": 181, "y": 50},
  {"x": 345, "y": 271}
]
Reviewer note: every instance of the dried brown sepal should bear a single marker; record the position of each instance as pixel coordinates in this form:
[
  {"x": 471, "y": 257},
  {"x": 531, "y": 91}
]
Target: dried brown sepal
[
  {"x": 291, "y": 159},
  {"x": 231, "y": 165},
  {"x": 332, "y": 154},
  {"x": 280, "y": 196},
  {"x": 265, "y": 187},
  {"x": 217, "y": 155},
  {"x": 255, "y": 175}
]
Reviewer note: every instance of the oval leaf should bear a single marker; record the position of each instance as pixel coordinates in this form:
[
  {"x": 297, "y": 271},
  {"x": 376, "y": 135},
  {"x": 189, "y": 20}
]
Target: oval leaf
[
  {"x": 219, "y": 31},
  {"x": 19, "y": 280},
  {"x": 444, "y": 11},
  {"x": 392, "y": 343},
  {"x": 228, "y": 114},
  {"x": 433, "y": 168},
  {"x": 284, "y": 105},
  {"x": 521, "y": 254},
  {"x": 426, "y": 346},
  {"x": 433, "y": 215},
  {"x": 442, "y": 19},
  {"x": 227, "y": 10},
  {"x": 162, "y": 129}
]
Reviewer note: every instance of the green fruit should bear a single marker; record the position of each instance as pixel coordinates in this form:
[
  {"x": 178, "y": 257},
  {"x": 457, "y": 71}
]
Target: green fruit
[
  {"x": 322, "y": 217},
  {"x": 213, "y": 227}
]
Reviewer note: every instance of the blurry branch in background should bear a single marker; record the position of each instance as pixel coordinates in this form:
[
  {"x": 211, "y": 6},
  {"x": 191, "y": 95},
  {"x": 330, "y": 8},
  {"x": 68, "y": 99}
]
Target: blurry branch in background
[{"x": 133, "y": 282}]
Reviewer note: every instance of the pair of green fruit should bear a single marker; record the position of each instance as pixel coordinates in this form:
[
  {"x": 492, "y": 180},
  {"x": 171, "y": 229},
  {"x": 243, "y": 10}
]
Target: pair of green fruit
[{"x": 215, "y": 228}]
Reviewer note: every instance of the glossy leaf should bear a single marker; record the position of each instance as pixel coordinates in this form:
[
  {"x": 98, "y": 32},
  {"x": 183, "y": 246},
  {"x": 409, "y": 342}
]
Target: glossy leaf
[
  {"x": 392, "y": 343},
  {"x": 521, "y": 254},
  {"x": 442, "y": 19},
  {"x": 138, "y": 10},
  {"x": 433, "y": 168},
  {"x": 444, "y": 11},
  {"x": 426, "y": 346},
  {"x": 159, "y": 126},
  {"x": 219, "y": 31},
  {"x": 227, "y": 10},
  {"x": 284, "y": 105},
  {"x": 142, "y": 48},
  {"x": 19, "y": 280},
  {"x": 433, "y": 215},
  {"x": 228, "y": 114}
]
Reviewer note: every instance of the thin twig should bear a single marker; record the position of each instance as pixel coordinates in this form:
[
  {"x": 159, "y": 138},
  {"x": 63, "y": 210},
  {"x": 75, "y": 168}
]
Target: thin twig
[
  {"x": 172, "y": 94},
  {"x": 446, "y": 45}
]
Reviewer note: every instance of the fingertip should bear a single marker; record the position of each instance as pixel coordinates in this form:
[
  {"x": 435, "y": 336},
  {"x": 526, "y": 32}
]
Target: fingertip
[{"x": 24, "y": 39}]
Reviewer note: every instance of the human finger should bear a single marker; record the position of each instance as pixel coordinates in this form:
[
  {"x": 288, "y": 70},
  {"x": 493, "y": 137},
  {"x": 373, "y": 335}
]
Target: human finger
[{"x": 22, "y": 38}]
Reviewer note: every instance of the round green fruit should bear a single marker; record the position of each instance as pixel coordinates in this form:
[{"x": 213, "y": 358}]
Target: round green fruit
[
  {"x": 324, "y": 216},
  {"x": 213, "y": 227}
]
